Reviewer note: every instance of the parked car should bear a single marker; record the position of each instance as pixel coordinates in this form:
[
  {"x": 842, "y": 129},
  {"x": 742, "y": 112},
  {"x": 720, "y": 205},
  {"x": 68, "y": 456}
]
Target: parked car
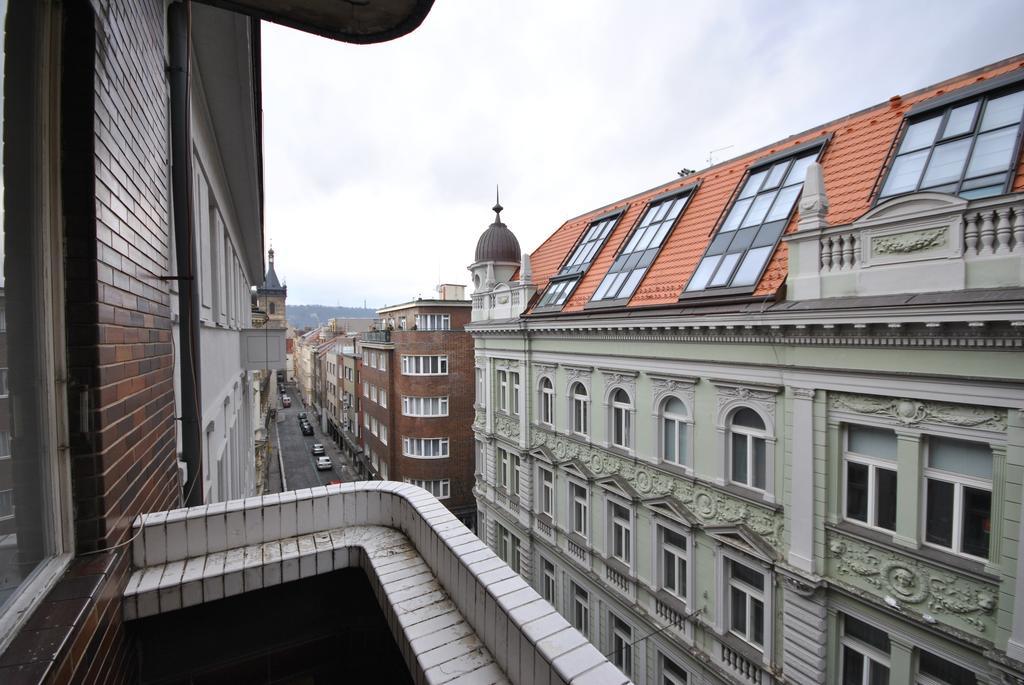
[
  {"x": 302, "y": 416},
  {"x": 286, "y": 401},
  {"x": 318, "y": 450},
  {"x": 307, "y": 428},
  {"x": 324, "y": 463}
]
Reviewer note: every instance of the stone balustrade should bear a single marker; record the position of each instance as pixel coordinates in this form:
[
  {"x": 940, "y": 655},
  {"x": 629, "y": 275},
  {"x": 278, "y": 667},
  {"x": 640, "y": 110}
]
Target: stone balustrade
[{"x": 458, "y": 613}]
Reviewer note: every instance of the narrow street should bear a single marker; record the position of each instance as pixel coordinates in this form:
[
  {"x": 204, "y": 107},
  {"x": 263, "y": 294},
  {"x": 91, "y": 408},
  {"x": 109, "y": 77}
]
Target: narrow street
[{"x": 295, "y": 449}]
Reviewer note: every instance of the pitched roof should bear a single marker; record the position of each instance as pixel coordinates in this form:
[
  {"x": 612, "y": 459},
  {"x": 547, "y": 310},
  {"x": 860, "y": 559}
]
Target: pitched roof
[{"x": 857, "y": 150}]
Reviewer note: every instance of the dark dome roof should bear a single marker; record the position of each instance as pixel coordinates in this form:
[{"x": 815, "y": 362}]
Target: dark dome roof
[{"x": 497, "y": 243}]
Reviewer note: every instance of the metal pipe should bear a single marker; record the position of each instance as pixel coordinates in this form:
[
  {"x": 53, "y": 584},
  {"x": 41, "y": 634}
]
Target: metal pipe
[{"x": 179, "y": 37}]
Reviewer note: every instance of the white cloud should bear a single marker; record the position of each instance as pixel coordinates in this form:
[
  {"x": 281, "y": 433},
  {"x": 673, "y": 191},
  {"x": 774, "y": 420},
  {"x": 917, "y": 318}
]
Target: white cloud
[{"x": 381, "y": 160}]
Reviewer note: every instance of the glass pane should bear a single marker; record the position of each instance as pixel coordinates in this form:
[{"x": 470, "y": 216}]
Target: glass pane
[
  {"x": 1003, "y": 111},
  {"x": 669, "y": 441},
  {"x": 703, "y": 273},
  {"x": 738, "y": 610},
  {"x": 723, "y": 239},
  {"x": 675, "y": 406},
  {"x": 748, "y": 418},
  {"x": 987, "y": 191},
  {"x": 905, "y": 173},
  {"x": 747, "y": 575},
  {"x": 960, "y": 120},
  {"x": 753, "y": 184},
  {"x": 960, "y": 456},
  {"x": 977, "y": 509},
  {"x": 739, "y": 458},
  {"x": 681, "y": 451},
  {"x": 939, "y": 513},
  {"x": 885, "y": 499},
  {"x": 866, "y": 633},
  {"x": 660, "y": 235},
  {"x": 857, "y": 491},
  {"x": 874, "y": 442},
  {"x": 853, "y": 667},
  {"x": 759, "y": 209},
  {"x": 736, "y": 215},
  {"x": 879, "y": 674},
  {"x": 602, "y": 289},
  {"x": 760, "y": 467},
  {"x": 784, "y": 203},
  {"x": 946, "y": 671},
  {"x": 921, "y": 134},
  {"x": 947, "y": 163},
  {"x": 725, "y": 270},
  {"x": 757, "y": 619},
  {"x": 669, "y": 563},
  {"x": 776, "y": 174},
  {"x": 632, "y": 282},
  {"x": 742, "y": 239},
  {"x": 798, "y": 173},
  {"x": 752, "y": 265},
  {"x": 992, "y": 152},
  {"x": 769, "y": 233}
]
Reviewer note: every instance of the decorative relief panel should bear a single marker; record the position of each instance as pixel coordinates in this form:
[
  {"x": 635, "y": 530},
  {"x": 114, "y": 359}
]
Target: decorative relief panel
[
  {"x": 480, "y": 420},
  {"x": 506, "y": 363},
  {"x": 507, "y": 426},
  {"x": 731, "y": 396},
  {"x": 948, "y": 598},
  {"x": 621, "y": 379},
  {"x": 544, "y": 369},
  {"x": 905, "y": 243},
  {"x": 663, "y": 386},
  {"x": 709, "y": 505},
  {"x": 913, "y": 412},
  {"x": 578, "y": 373}
]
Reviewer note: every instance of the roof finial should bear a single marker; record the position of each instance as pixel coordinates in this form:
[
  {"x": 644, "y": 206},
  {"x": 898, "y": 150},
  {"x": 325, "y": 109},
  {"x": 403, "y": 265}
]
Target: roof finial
[
  {"x": 497, "y": 205},
  {"x": 270, "y": 252}
]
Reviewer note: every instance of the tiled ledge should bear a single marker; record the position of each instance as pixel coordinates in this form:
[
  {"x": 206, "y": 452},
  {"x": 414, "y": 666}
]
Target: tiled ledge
[{"x": 458, "y": 613}]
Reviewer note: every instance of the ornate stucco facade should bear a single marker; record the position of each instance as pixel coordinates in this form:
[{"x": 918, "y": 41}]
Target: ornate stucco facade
[{"x": 752, "y": 489}]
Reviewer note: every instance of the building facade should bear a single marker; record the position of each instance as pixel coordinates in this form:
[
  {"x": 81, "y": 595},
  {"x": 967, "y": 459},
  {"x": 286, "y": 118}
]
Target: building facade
[
  {"x": 416, "y": 384},
  {"x": 765, "y": 423}
]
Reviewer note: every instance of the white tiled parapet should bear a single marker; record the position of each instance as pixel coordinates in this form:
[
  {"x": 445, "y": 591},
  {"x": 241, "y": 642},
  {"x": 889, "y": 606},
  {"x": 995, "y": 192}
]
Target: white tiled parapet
[{"x": 457, "y": 612}]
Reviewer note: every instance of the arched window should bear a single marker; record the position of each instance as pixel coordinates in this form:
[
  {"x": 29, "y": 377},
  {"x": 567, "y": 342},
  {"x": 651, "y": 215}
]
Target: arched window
[
  {"x": 580, "y": 409},
  {"x": 547, "y": 402},
  {"x": 622, "y": 410},
  {"x": 748, "y": 459},
  {"x": 674, "y": 427}
]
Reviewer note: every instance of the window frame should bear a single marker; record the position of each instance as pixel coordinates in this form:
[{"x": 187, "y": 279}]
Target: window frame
[
  {"x": 755, "y": 167},
  {"x": 873, "y": 463},
  {"x": 660, "y": 547},
  {"x": 622, "y": 420},
  {"x": 503, "y": 390},
  {"x": 515, "y": 390},
  {"x": 620, "y": 531},
  {"x": 411, "y": 361},
  {"x": 579, "y": 608},
  {"x": 576, "y": 275},
  {"x": 982, "y": 93},
  {"x": 751, "y": 434},
  {"x": 666, "y": 664},
  {"x": 686, "y": 420},
  {"x": 752, "y": 594},
  {"x": 508, "y": 547},
  {"x": 580, "y": 406},
  {"x": 581, "y": 504},
  {"x": 444, "y": 447},
  {"x": 867, "y": 653},
  {"x": 546, "y": 491},
  {"x": 620, "y": 648},
  {"x": 547, "y": 402},
  {"x": 549, "y": 581},
  {"x": 959, "y": 481}
]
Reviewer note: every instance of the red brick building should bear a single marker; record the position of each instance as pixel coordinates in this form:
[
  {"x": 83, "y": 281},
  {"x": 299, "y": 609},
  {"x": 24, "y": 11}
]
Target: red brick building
[{"x": 416, "y": 391}]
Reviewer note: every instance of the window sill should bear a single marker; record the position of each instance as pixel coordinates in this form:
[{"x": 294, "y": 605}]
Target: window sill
[
  {"x": 750, "y": 494},
  {"x": 947, "y": 560},
  {"x": 676, "y": 469},
  {"x": 545, "y": 519},
  {"x": 747, "y": 650},
  {"x": 673, "y": 602},
  {"x": 578, "y": 539},
  {"x": 621, "y": 451},
  {"x": 619, "y": 567}
]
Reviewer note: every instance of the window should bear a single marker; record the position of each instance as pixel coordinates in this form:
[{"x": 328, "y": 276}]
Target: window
[
  {"x": 515, "y": 392},
  {"x": 746, "y": 603},
  {"x": 865, "y": 654},
  {"x": 548, "y": 575},
  {"x": 5, "y": 444},
  {"x": 749, "y": 461},
  {"x": 373, "y": 360},
  {"x": 3, "y": 382},
  {"x": 547, "y": 402},
  {"x": 366, "y": 420},
  {"x": 870, "y": 470},
  {"x": 6, "y": 504},
  {"x": 578, "y": 496},
  {"x": 501, "y": 468},
  {"x": 622, "y": 649},
  {"x": 622, "y": 409},
  {"x": 672, "y": 561},
  {"x": 425, "y": 448},
  {"x": 503, "y": 390},
  {"x": 382, "y": 397},
  {"x": 425, "y": 406},
  {"x": 480, "y": 394},
  {"x": 382, "y": 362},
  {"x": 374, "y": 425},
  {"x": 383, "y": 434},
  {"x": 671, "y": 673},
  {"x": 366, "y": 389},
  {"x": 401, "y": 323},
  {"x": 508, "y": 547},
  {"x": 643, "y": 245},
  {"x": 674, "y": 429},
  {"x": 751, "y": 230},
  {"x": 514, "y": 480},
  {"x": 424, "y": 365},
  {"x": 433, "y": 322},
  {"x": 438, "y": 488},
  {"x": 373, "y": 393},
  {"x": 958, "y": 496},
  {"x": 965, "y": 149},
  {"x": 934, "y": 670},
  {"x": 564, "y": 282},
  {"x": 580, "y": 610},
  {"x": 621, "y": 532},
  {"x": 546, "y": 492},
  {"x": 580, "y": 409}
]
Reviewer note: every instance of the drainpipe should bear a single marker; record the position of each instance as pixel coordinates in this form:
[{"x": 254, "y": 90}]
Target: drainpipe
[{"x": 178, "y": 29}]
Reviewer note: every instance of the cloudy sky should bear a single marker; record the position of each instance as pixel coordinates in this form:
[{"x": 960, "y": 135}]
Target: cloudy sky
[{"x": 381, "y": 161}]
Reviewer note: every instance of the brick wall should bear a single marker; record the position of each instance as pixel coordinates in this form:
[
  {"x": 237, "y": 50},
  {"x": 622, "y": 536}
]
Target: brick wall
[{"x": 115, "y": 185}]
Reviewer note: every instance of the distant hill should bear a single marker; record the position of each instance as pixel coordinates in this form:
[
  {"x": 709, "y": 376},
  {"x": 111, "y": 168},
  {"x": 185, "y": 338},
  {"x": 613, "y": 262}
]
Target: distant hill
[{"x": 312, "y": 315}]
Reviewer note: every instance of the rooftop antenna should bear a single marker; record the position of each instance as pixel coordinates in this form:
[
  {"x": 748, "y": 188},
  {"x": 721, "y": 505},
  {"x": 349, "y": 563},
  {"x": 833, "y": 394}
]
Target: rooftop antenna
[{"x": 711, "y": 154}]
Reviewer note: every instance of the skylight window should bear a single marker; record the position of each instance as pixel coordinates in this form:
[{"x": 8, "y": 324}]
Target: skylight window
[
  {"x": 643, "y": 245},
  {"x": 965, "y": 149},
  {"x": 751, "y": 230},
  {"x": 564, "y": 282}
]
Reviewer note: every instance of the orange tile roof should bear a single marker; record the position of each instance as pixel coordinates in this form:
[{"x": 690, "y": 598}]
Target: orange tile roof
[{"x": 852, "y": 164}]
